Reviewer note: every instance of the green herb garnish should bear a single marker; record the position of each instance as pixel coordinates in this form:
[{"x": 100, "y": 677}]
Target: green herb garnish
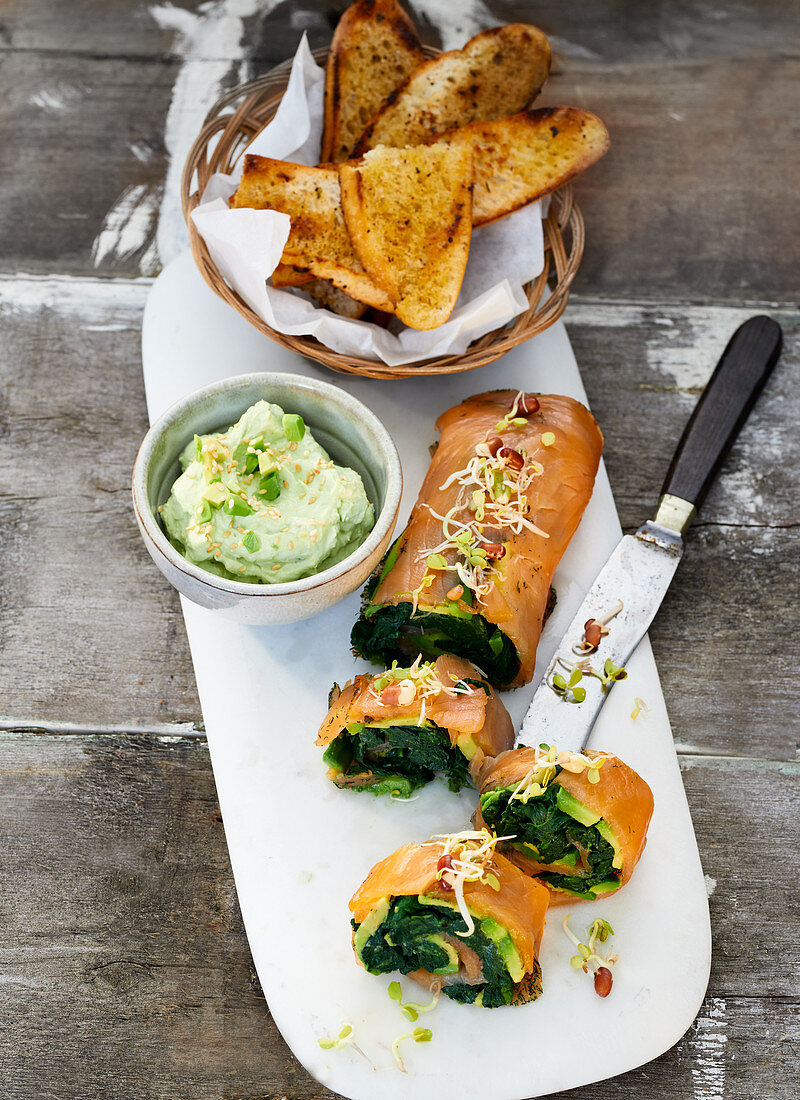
[
  {"x": 345, "y": 1037},
  {"x": 568, "y": 689},
  {"x": 419, "y": 1035},
  {"x": 609, "y": 675},
  {"x": 410, "y": 1009}
]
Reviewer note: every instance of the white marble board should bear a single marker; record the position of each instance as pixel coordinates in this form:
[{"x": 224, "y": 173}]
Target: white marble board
[{"x": 299, "y": 847}]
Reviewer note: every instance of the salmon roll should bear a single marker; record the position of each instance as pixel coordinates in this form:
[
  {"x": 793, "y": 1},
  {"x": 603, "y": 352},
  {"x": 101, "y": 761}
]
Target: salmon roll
[
  {"x": 471, "y": 573},
  {"x": 455, "y": 916},
  {"x": 390, "y": 734},
  {"x": 577, "y": 821}
]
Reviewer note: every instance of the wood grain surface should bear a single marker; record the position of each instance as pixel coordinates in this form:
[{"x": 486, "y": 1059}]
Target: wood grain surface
[{"x": 125, "y": 971}]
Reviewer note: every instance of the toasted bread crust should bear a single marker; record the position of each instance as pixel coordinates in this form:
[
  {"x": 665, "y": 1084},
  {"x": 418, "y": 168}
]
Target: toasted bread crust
[
  {"x": 284, "y": 275},
  {"x": 498, "y": 73},
  {"x": 409, "y": 215},
  {"x": 318, "y": 240},
  {"x": 375, "y": 47},
  {"x": 521, "y": 158}
]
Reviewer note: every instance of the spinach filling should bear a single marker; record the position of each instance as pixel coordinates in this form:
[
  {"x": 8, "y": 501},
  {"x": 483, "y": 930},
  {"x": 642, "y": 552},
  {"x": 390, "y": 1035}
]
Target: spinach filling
[
  {"x": 407, "y": 939},
  {"x": 553, "y": 835},
  {"x": 396, "y": 760},
  {"x": 392, "y": 633},
  {"x": 386, "y": 633}
]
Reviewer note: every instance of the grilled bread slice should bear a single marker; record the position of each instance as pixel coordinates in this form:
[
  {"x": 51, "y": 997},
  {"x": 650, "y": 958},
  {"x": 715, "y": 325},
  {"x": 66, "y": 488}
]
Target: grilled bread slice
[
  {"x": 318, "y": 240},
  {"x": 497, "y": 73},
  {"x": 284, "y": 275},
  {"x": 409, "y": 215},
  {"x": 374, "y": 49},
  {"x": 521, "y": 158}
]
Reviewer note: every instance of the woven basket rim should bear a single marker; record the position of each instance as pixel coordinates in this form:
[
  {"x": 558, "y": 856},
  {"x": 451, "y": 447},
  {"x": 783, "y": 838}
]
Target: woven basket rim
[{"x": 230, "y": 125}]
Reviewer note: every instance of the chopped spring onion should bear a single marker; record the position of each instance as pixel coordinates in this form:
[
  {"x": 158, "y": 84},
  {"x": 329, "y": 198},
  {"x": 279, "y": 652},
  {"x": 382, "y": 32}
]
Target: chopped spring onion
[
  {"x": 251, "y": 542},
  {"x": 237, "y": 506},
  {"x": 270, "y": 485},
  {"x": 294, "y": 427}
]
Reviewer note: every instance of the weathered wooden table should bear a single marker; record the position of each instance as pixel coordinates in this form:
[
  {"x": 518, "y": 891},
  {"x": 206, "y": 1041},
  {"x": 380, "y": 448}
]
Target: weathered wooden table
[{"x": 125, "y": 971}]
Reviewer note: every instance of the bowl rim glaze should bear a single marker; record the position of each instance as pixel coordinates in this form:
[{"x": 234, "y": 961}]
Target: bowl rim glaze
[{"x": 345, "y": 403}]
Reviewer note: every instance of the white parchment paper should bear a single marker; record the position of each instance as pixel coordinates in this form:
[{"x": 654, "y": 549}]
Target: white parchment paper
[{"x": 246, "y": 245}]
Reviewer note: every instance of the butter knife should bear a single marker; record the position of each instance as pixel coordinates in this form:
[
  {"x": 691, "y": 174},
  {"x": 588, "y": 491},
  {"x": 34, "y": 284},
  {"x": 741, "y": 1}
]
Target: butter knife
[{"x": 641, "y": 567}]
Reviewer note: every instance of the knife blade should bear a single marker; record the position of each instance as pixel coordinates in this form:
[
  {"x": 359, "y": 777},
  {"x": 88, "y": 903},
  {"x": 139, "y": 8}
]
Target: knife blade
[{"x": 641, "y": 567}]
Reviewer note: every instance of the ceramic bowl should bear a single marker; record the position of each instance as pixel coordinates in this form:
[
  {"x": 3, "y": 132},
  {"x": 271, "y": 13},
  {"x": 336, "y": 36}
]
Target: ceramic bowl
[{"x": 352, "y": 435}]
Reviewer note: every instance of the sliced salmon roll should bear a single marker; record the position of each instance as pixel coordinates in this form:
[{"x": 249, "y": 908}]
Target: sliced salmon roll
[
  {"x": 578, "y": 821},
  {"x": 392, "y": 733},
  {"x": 471, "y": 573},
  {"x": 453, "y": 915}
]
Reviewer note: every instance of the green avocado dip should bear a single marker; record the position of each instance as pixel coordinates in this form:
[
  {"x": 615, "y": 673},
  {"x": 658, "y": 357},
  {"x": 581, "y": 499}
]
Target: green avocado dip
[{"x": 262, "y": 502}]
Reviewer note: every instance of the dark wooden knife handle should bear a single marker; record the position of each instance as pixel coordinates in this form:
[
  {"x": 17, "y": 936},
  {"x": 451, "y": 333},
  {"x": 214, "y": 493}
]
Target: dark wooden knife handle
[{"x": 724, "y": 405}]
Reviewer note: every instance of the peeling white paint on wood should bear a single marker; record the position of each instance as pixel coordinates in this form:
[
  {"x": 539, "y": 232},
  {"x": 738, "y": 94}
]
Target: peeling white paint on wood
[
  {"x": 102, "y": 304},
  {"x": 128, "y": 226},
  {"x": 58, "y": 98},
  {"x": 708, "y": 1042},
  {"x": 685, "y": 347},
  {"x": 141, "y": 151},
  {"x": 211, "y": 42},
  {"x": 456, "y": 22}
]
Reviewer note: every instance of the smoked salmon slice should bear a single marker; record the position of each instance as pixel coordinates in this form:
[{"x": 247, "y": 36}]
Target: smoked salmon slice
[{"x": 471, "y": 572}]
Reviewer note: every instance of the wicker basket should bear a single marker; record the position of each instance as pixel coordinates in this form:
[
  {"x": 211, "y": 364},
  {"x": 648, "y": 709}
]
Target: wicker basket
[{"x": 230, "y": 126}]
